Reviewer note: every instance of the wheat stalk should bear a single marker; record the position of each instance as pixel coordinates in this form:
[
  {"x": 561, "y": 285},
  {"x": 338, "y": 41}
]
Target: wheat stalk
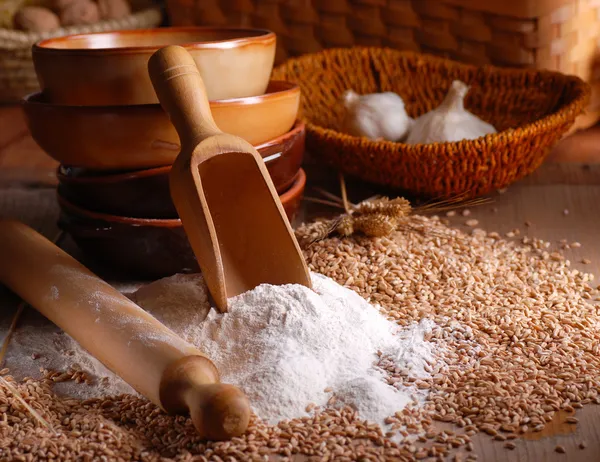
[
  {"x": 378, "y": 215},
  {"x": 30, "y": 409}
]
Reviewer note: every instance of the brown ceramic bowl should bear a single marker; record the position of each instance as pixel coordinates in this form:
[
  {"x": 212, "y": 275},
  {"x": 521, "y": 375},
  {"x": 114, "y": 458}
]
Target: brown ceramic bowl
[
  {"x": 145, "y": 193},
  {"x": 143, "y": 248},
  {"x": 111, "y": 68},
  {"x": 142, "y": 136}
]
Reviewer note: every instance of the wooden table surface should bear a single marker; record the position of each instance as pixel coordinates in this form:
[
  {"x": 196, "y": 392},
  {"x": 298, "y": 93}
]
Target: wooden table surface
[{"x": 561, "y": 201}]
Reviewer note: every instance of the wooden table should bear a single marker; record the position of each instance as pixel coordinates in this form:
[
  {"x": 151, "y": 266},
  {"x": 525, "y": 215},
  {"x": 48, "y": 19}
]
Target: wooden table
[{"x": 561, "y": 200}]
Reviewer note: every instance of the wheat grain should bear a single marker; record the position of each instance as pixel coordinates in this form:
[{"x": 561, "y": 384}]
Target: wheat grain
[{"x": 519, "y": 340}]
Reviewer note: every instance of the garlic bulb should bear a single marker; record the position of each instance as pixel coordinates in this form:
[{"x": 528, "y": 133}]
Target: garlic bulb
[
  {"x": 375, "y": 116},
  {"x": 450, "y": 121}
]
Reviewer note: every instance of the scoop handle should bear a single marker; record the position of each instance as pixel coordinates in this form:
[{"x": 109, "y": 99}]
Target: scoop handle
[
  {"x": 182, "y": 94},
  {"x": 156, "y": 362}
]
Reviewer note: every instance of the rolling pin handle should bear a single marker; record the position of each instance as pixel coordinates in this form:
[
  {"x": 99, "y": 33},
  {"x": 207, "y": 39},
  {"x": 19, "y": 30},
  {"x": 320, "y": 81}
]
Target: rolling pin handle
[{"x": 219, "y": 411}]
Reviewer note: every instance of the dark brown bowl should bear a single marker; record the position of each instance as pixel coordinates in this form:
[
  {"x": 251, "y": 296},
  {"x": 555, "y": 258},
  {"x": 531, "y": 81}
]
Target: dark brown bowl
[
  {"x": 145, "y": 193},
  {"x": 141, "y": 247}
]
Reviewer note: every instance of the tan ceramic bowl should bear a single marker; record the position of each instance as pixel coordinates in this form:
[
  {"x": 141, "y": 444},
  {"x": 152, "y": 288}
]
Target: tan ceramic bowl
[
  {"x": 141, "y": 136},
  {"x": 110, "y": 68}
]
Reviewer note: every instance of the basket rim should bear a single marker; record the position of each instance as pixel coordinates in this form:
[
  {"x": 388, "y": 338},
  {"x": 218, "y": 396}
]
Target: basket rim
[{"x": 576, "y": 105}]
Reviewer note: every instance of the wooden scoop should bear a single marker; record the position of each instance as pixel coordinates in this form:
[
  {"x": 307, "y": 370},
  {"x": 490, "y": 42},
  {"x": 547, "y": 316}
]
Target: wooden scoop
[
  {"x": 156, "y": 362},
  {"x": 222, "y": 191}
]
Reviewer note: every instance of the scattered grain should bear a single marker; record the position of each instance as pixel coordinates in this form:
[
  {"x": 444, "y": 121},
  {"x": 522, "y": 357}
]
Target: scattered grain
[
  {"x": 560, "y": 449},
  {"x": 466, "y": 213},
  {"x": 518, "y": 340},
  {"x": 572, "y": 420},
  {"x": 472, "y": 222},
  {"x": 490, "y": 431},
  {"x": 421, "y": 454},
  {"x": 517, "y": 316},
  {"x": 582, "y": 445}
]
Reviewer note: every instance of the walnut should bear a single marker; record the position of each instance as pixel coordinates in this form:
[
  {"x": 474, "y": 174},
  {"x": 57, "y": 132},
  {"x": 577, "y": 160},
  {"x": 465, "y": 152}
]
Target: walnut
[
  {"x": 80, "y": 12},
  {"x": 35, "y": 19},
  {"x": 113, "y": 9}
]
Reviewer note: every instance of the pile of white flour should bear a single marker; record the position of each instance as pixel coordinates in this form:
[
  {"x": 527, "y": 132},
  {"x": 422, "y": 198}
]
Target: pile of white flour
[{"x": 285, "y": 345}]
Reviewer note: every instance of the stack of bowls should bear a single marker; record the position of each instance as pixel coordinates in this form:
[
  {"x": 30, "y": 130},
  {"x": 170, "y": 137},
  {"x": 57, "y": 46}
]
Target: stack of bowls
[{"x": 98, "y": 115}]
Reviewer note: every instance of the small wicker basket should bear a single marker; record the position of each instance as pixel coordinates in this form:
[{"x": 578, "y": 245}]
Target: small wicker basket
[
  {"x": 17, "y": 74},
  {"x": 557, "y": 35},
  {"x": 531, "y": 109}
]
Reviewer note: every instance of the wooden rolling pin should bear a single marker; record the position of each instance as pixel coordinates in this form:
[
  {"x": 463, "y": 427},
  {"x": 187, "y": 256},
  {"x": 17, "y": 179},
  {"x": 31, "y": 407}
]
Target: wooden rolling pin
[{"x": 150, "y": 357}]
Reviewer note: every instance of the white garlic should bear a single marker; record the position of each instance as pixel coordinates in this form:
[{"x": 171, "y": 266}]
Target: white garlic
[
  {"x": 375, "y": 116},
  {"x": 450, "y": 121}
]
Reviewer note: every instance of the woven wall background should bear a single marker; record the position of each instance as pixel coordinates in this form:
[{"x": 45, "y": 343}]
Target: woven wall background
[{"x": 560, "y": 35}]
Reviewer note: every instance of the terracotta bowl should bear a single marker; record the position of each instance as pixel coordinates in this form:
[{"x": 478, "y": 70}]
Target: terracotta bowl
[
  {"x": 136, "y": 137},
  {"x": 143, "y": 248},
  {"x": 145, "y": 193},
  {"x": 110, "y": 68}
]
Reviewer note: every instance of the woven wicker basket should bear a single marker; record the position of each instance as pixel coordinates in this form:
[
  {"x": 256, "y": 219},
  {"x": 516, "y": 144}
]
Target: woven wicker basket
[
  {"x": 17, "y": 74},
  {"x": 531, "y": 110},
  {"x": 560, "y": 35}
]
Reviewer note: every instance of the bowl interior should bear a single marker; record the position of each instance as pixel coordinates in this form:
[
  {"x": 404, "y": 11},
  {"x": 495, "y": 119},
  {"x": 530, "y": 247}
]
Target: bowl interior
[
  {"x": 506, "y": 98},
  {"x": 151, "y": 38}
]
